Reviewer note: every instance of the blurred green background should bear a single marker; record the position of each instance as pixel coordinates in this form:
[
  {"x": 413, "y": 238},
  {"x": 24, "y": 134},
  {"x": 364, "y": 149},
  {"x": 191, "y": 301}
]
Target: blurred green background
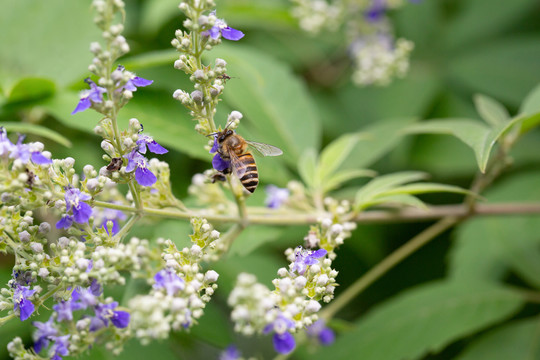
[{"x": 295, "y": 92}]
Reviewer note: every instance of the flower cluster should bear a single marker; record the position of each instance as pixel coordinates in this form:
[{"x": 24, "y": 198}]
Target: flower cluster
[
  {"x": 180, "y": 290},
  {"x": 203, "y": 31},
  {"x": 377, "y": 57},
  {"x": 63, "y": 334},
  {"x": 294, "y": 303}
]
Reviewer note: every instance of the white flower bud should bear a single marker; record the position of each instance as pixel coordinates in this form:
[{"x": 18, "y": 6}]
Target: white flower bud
[
  {"x": 211, "y": 276},
  {"x": 36, "y": 247},
  {"x": 43, "y": 272},
  {"x": 322, "y": 280}
]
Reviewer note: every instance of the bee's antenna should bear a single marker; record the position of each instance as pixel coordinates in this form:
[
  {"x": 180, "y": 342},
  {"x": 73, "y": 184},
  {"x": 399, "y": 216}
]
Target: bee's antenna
[{"x": 212, "y": 134}]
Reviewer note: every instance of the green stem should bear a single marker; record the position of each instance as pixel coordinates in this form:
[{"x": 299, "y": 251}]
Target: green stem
[
  {"x": 127, "y": 226},
  {"x": 270, "y": 217},
  {"x": 387, "y": 264}
]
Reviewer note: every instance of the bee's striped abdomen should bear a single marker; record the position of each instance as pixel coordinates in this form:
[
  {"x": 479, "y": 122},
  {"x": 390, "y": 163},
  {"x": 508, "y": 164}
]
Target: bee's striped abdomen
[{"x": 250, "y": 180}]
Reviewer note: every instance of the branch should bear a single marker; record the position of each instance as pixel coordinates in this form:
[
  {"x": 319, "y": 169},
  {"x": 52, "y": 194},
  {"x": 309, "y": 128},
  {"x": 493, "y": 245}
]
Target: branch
[{"x": 367, "y": 217}]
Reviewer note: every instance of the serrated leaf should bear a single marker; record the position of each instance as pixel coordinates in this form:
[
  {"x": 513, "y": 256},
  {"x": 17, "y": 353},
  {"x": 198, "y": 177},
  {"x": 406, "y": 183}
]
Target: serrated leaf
[
  {"x": 383, "y": 183},
  {"x": 517, "y": 341},
  {"x": 26, "y": 128},
  {"x": 335, "y": 153},
  {"x": 274, "y": 101},
  {"x": 345, "y": 175},
  {"x": 424, "y": 320},
  {"x": 485, "y": 249},
  {"x": 493, "y": 112},
  {"x": 307, "y": 168}
]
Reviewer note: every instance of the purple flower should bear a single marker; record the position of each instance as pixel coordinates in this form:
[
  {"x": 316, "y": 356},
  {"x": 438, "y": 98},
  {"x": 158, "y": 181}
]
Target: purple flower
[
  {"x": 283, "y": 340},
  {"x": 63, "y": 310},
  {"x": 376, "y": 11},
  {"x": 220, "y": 27},
  {"x": 103, "y": 216},
  {"x": 153, "y": 146},
  {"x": 135, "y": 82},
  {"x": 60, "y": 347},
  {"x": 217, "y": 162},
  {"x": 39, "y": 159},
  {"x": 65, "y": 222},
  {"x": 275, "y": 196},
  {"x": 168, "y": 280},
  {"x": 106, "y": 312},
  {"x": 5, "y": 143},
  {"x": 94, "y": 95},
  {"x": 21, "y": 302},
  {"x": 45, "y": 331},
  {"x": 139, "y": 163},
  {"x": 304, "y": 258},
  {"x": 86, "y": 297},
  {"x": 230, "y": 353},
  {"x": 321, "y": 332},
  {"x": 74, "y": 202}
]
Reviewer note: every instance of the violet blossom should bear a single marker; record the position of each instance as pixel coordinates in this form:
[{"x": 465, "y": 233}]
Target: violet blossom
[
  {"x": 221, "y": 28},
  {"x": 88, "y": 97},
  {"x": 305, "y": 258}
]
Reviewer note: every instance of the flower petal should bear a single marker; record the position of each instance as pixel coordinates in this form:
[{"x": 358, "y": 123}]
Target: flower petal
[
  {"x": 284, "y": 343},
  {"x": 82, "y": 213},
  {"x": 140, "y": 82},
  {"x": 219, "y": 164},
  {"x": 156, "y": 148},
  {"x": 145, "y": 177},
  {"x": 231, "y": 34},
  {"x": 26, "y": 308},
  {"x": 120, "y": 319},
  {"x": 39, "y": 159},
  {"x": 65, "y": 222},
  {"x": 83, "y": 104}
]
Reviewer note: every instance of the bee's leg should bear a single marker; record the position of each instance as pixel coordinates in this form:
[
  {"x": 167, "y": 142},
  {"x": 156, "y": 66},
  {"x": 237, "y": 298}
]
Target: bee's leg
[
  {"x": 227, "y": 171},
  {"x": 218, "y": 177}
]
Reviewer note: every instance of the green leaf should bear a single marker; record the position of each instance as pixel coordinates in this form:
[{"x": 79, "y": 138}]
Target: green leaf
[
  {"x": 531, "y": 104},
  {"x": 475, "y": 134},
  {"x": 493, "y": 112},
  {"x": 307, "y": 168},
  {"x": 343, "y": 176},
  {"x": 471, "y": 23},
  {"x": 424, "y": 188},
  {"x": 377, "y": 140},
  {"x": 25, "y": 128},
  {"x": 274, "y": 101},
  {"x": 384, "y": 183},
  {"x": 31, "y": 89},
  {"x": 335, "y": 153},
  {"x": 485, "y": 249},
  {"x": 505, "y": 69},
  {"x": 424, "y": 320},
  {"x": 530, "y": 108},
  {"x": 55, "y": 47},
  {"x": 517, "y": 340},
  {"x": 253, "y": 237},
  {"x": 397, "y": 200}
]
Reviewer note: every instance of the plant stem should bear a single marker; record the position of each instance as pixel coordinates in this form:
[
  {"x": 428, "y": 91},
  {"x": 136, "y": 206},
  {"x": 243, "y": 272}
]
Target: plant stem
[
  {"x": 270, "y": 217},
  {"x": 387, "y": 264}
]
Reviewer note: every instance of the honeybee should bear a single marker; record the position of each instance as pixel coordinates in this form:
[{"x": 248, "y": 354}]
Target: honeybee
[{"x": 234, "y": 148}]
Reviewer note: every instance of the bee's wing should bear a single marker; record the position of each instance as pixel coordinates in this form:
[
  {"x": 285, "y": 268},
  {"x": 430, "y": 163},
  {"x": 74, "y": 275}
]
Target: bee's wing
[
  {"x": 265, "y": 149},
  {"x": 237, "y": 165}
]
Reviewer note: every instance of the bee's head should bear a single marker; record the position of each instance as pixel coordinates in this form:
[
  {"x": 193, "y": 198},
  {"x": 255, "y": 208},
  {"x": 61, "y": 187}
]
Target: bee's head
[{"x": 223, "y": 135}]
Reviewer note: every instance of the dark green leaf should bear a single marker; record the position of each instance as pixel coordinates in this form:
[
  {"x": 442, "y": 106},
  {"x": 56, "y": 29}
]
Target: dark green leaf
[
  {"x": 505, "y": 69},
  {"x": 423, "y": 320},
  {"x": 31, "y": 89},
  {"x": 253, "y": 237},
  {"x": 487, "y": 248},
  {"x": 25, "y": 128},
  {"x": 517, "y": 341},
  {"x": 491, "y": 111}
]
